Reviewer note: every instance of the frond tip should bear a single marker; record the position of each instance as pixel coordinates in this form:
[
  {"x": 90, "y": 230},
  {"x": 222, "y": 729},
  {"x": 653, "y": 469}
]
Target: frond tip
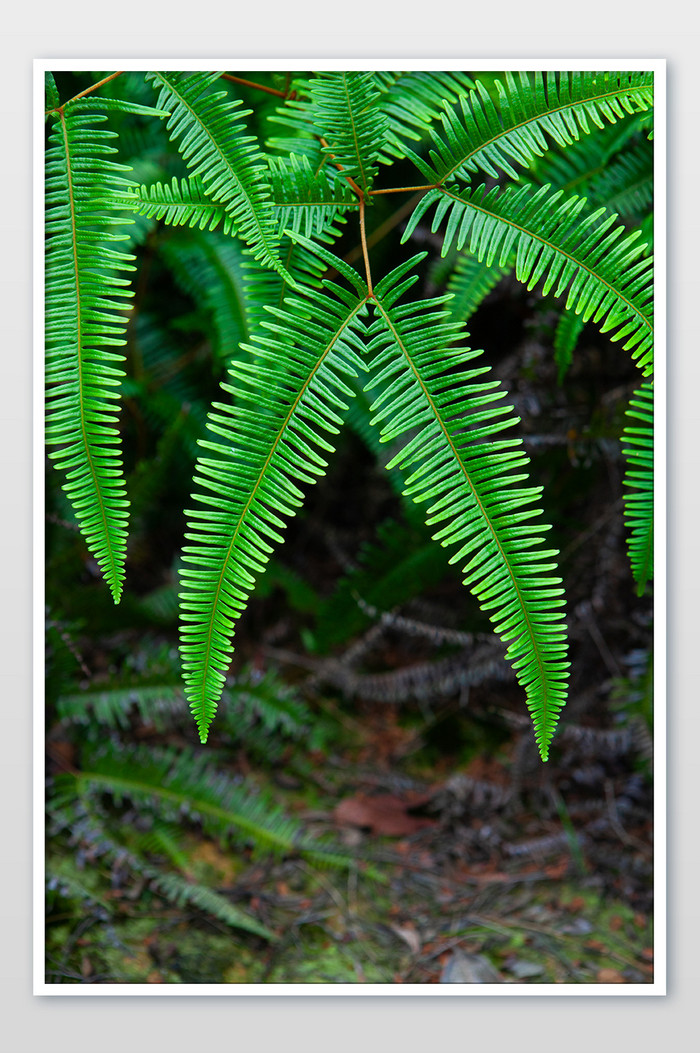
[{"x": 467, "y": 474}]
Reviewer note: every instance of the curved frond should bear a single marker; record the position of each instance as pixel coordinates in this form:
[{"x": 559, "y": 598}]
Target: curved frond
[
  {"x": 491, "y": 138},
  {"x": 288, "y": 400},
  {"x": 214, "y": 142},
  {"x": 86, "y": 294},
  {"x": 346, "y": 114},
  {"x": 602, "y": 269},
  {"x": 639, "y": 478},
  {"x": 471, "y": 477}
]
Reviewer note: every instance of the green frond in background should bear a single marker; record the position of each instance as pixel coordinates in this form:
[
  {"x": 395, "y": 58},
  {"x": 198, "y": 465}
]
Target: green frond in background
[
  {"x": 639, "y": 481},
  {"x": 411, "y": 101},
  {"x": 86, "y": 297},
  {"x": 211, "y": 136},
  {"x": 274, "y": 440},
  {"x": 346, "y": 114},
  {"x": 307, "y": 201},
  {"x": 531, "y": 111},
  {"x": 603, "y": 271},
  {"x": 467, "y": 474},
  {"x": 181, "y": 202}
]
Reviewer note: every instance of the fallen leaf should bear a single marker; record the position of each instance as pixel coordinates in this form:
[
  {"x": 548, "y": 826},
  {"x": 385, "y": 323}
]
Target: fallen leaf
[
  {"x": 610, "y": 976},
  {"x": 384, "y": 814}
]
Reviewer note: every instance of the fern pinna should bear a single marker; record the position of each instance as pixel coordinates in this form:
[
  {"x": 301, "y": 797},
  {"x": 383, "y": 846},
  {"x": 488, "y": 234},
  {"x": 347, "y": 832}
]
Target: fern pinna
[{"x": 282, "y": 184}]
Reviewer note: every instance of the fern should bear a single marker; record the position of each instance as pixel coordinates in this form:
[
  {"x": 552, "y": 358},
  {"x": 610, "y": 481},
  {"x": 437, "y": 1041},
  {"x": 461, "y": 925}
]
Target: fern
[
  {"x": 488, "y": 138},
  {"x": 269, "y": 450},
  {"x": 85, "y": 295},
  {"x": 210, "y": 128},
  {"x": 603, "y": 271},
  {"x": 344, "y": 108},
  {"x": 639, "y": 480},
  {"x": 466, "y": 474},
  {"x": 298, "y": 328}
]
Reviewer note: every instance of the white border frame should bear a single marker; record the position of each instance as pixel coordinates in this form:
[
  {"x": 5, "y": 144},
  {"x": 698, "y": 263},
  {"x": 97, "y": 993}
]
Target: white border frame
[{"x": 658, "y": 987}]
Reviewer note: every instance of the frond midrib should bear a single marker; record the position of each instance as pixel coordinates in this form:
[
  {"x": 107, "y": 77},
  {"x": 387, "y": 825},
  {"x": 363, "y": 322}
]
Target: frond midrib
[
  {"x": 485, "y": 516},
  {"x": 114, "y": 573}
]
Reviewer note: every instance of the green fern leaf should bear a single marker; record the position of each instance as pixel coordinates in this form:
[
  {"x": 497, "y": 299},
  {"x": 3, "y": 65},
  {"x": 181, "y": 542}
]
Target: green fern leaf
[
  {"x": 307, "y": 199},
  {"x": 288, "y": 398},
  {"x": 227, "y": 161},
  {"x": 488, "y": 137},
  {"x": 639, "y": 479},
  {"x": 588, "y": 257},
  {"x": 85, "y": 300},
  {"x": 182, "y": 892},
  {"x": 466, "y": 473},
  {"x": 346, "y": 114},
  {"x": 412, "y": 100},
  {"x": 181, "y": 202}
]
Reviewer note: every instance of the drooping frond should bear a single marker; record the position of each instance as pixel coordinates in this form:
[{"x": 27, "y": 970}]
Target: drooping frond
[
  {"x": 214, "y": 142},
  {"x": 346, "y": 114},
  {"x": 602, "y": 270},
  {"x": 452, "y": 421},
  {"x": 639, "y": 478},
  {"x": 490, "y": 138},
  {"x": 86, "y": 295},
  {"x": 287, "y": 401},
  {"x": 307, "y": 201},
  {"x": 411, "y": 100}
]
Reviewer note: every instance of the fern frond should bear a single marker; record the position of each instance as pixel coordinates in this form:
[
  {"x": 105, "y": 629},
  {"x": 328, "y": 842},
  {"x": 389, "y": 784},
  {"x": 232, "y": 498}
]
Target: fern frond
[
  {"x": 346, "y": 114},
  {"x": 210, "y": 267},
  {"x": 181, "y": 892},
  {"x": 602, "y": 269},
  {"x": 86, "y": 295},
  {"x": 470, "y": 282},
  {"x": 412, "y": 100},
  {"x": 181, "y": 202},
  {"x": 569, "y": 329},
  {"x": 307, "y": 201},
  {"x": 467, "y": 475},
  {"x": 639, "y": 478},
  {"x": 289, "y": 399},
  {"x": 489, "y": 138},
  {"x": 213, "y": 142}
]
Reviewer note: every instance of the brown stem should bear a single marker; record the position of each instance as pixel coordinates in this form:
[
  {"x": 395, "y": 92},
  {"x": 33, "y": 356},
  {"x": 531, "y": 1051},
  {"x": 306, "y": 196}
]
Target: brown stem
[
  {"x": 260, "y": 87},
  {"x": 405, "y": 189},
  {"x": 365, "y": 253},
  {"x": 87, "y": 91}
]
